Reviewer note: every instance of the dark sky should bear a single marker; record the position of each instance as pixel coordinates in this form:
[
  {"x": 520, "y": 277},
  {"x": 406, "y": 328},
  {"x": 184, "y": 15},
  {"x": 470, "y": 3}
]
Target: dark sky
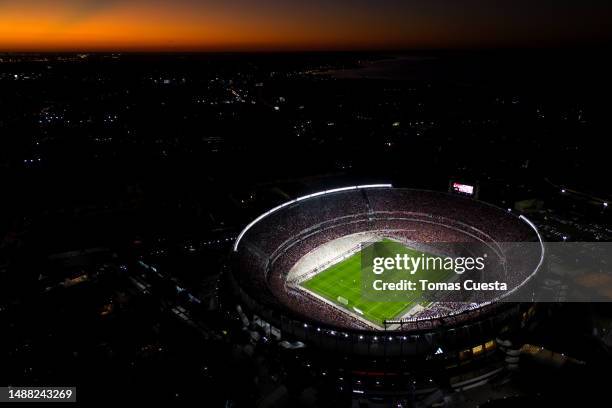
[{"x": 299, "y": 24}]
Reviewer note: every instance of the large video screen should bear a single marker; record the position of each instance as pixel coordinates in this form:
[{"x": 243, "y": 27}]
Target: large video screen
[{"x": 463, "y": 188}]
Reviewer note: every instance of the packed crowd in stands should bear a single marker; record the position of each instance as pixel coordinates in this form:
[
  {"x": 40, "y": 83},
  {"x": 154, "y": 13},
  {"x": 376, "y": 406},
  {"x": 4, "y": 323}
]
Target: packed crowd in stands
[
  {"x": 303, "y": 215},
  {"x": 271, "y": 247},
  {"x": 472, "y": 214},
  {"x": 438, "y": 309}
]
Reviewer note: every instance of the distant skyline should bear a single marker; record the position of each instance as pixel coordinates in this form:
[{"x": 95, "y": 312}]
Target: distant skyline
[{"x": 268, "y": 25}]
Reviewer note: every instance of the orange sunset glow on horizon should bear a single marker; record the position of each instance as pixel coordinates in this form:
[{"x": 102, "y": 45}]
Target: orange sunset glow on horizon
[{"x": 70, "y": 25}]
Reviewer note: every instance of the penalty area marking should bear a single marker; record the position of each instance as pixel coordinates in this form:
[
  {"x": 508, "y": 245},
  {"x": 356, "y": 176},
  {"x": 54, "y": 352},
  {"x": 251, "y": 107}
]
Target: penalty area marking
[{"x": 343, "y": 310}]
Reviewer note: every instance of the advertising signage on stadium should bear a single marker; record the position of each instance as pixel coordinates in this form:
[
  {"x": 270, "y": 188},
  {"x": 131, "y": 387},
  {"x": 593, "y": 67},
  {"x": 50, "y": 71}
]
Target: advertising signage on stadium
[{"x": 463, "y": 189}]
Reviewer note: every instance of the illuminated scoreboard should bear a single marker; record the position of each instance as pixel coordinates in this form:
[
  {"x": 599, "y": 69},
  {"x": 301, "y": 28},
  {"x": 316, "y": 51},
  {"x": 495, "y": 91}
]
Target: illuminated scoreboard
[{"x": 463, "y": 189}]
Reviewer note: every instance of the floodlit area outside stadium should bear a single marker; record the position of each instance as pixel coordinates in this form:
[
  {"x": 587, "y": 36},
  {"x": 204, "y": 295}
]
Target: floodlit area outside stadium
[{"x": 297, "y": 266}]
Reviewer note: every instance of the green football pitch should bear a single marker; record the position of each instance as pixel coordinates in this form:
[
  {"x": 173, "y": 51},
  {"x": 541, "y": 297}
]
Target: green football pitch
[{"x": 341, "y": 282}]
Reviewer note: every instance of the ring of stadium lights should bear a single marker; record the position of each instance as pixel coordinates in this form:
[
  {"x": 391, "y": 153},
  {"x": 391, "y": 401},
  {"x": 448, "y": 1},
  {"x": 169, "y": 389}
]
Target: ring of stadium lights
[
  {"x": 273, "y": 210},
  {"x": 468, "y": 308}
]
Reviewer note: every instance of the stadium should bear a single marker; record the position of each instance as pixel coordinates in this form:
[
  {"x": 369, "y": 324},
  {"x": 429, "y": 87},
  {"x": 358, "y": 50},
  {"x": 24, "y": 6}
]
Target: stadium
[{"x": 296, "y": 270}]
